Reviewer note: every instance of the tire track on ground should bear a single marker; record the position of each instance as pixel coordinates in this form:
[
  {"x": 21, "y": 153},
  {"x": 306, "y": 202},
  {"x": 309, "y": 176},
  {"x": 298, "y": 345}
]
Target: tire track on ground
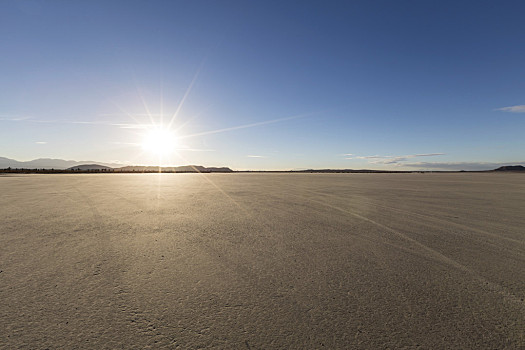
[
  {"x": 429, "y": 218},
  {"x": 430, "y": 251}
]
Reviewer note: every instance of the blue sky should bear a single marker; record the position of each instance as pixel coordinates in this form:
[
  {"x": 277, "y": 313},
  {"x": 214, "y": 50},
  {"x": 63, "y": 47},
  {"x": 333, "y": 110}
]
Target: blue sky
[{"x": 266, "y": 84}]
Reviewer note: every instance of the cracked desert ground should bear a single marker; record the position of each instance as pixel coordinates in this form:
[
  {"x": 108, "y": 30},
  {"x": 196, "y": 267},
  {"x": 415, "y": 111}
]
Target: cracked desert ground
[{"x": 262, "y": 261}]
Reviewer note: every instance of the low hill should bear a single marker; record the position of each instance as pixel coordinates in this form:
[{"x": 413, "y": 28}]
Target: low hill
[
  {"x": 87, "y": 167},
  {"x": 511, "y": 168}
]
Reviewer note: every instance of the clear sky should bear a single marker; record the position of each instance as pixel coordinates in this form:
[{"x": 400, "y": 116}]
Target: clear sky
[{"x": 265, "y": 84}]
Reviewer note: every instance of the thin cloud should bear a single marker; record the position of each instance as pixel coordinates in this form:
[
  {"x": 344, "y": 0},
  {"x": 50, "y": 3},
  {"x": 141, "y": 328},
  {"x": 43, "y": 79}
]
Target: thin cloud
[
  {"x": 513, "y": 109},
  {"x": 41, "y": 142},
  {"x": 393, "y": 160},
  {"x": 377, "y": 159},
  {"x": 372, "y": 157},
  {"x": 256, "y": 156},
  {"x": 14, "y": 119},
  {"x": 81, "y": 122},
  {"x": 26, "y": 119}
]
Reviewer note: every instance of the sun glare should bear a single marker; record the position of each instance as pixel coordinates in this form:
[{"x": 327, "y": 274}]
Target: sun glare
[{"x": 160, "y": 141}]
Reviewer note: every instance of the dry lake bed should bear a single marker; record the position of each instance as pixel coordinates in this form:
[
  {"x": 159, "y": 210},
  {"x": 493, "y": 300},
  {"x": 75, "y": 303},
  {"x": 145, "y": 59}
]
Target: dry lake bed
[{"x": 262, "y": 261}]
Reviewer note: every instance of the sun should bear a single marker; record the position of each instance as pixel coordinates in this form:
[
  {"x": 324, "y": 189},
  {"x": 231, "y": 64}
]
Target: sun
[{"x": 159, "y": 141}]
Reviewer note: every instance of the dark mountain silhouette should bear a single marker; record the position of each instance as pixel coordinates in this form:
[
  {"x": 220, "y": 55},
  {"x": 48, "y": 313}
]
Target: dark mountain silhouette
[
  {"x": 73, "y": 165},
  {"x": 48, "y": 163},
  {"x": 85, "y": 167},
  {"x": 511, "y": 168}
]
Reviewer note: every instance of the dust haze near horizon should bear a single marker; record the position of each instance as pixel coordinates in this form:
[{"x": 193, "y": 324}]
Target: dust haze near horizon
[
  {"x": 264, "y": 85},
  {"x": 263, "y": 261}
]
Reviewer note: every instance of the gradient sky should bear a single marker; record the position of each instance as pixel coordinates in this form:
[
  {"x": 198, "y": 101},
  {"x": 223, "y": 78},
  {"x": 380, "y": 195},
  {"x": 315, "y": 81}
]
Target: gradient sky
[{"x": 266, "y": 84}]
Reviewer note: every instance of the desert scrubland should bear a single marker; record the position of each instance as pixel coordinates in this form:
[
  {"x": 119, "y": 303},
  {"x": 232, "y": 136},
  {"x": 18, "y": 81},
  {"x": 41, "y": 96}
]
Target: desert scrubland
[{"x": 262, "y": 261}]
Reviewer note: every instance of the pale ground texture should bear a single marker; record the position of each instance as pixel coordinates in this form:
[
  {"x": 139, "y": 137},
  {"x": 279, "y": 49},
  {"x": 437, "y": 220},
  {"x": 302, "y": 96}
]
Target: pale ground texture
[{"x": 262, "y": 261}]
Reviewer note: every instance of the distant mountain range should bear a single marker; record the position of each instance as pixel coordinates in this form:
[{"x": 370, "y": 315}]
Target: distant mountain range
[
  {"x": 73, "y": 165},
  {"x": 60, "y": 164},
  {"x": 48, "y": 163}
]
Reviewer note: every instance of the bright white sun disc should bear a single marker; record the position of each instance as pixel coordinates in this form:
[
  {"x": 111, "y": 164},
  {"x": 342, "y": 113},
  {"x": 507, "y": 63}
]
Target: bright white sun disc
[{"x": 159, "y": 141}]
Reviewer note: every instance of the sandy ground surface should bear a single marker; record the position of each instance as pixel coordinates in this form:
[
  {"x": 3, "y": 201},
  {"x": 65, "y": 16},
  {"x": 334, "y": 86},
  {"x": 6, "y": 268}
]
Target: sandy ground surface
[{"x": 262, "y": 261}]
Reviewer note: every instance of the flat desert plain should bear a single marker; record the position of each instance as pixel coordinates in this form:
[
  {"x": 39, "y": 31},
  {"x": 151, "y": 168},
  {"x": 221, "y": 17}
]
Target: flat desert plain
[{"x": 262, "y": 261}]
